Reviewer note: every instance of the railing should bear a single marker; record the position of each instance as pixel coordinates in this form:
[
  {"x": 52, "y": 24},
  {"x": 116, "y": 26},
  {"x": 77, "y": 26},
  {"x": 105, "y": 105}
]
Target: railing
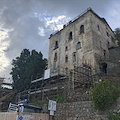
[{"x": 73, "y": 20}]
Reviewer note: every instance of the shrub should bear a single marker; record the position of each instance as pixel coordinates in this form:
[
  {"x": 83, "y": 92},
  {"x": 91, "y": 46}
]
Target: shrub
[
  {"x": 104, "y": 95},
  {"x": 112, "y": 116}
]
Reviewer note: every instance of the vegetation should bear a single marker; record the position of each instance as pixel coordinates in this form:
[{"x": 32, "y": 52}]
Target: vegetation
[
  {"x": 104, "y": 95},
  {"x": 27, "y": 67},
  {"x": 37, "y": 102},
  {"x": 117, "y": 35},
  {"x": 61, "y": 98},
  {"x": 6, "y": 102},
  {"x": 112, "y": 116}
]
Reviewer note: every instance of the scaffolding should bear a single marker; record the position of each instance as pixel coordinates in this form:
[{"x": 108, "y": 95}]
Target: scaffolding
[{"x": 61, "y": 81}]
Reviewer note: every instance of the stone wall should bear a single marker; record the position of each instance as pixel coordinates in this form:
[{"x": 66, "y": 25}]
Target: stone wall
[
  {"x": 83, "y": 110},
  {"x": 114, "y": 57}
]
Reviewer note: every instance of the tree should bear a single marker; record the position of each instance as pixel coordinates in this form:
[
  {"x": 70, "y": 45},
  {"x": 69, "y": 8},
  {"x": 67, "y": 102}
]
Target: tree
[
  {"x": 117, "y": 35},
  {"x": 26, "y": 67},
  {"x": 104, "y": 95}
]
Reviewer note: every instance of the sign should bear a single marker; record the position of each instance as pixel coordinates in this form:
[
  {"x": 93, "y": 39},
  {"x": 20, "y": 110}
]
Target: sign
[
  {"x": 52, "y": 105},
  {"x": 47, "y": 74},
  {"x": 51, "y": 112},
  {"x": 25, "y": 117}
]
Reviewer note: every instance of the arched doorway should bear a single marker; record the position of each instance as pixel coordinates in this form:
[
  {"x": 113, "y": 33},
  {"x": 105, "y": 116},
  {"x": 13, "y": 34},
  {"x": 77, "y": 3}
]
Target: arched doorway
[{"x": 104, "y": 67}]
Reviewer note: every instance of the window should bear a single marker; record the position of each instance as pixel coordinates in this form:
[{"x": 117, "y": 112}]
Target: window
[
  {"x": 104, "y": 53},
  {"x": 107, "y": 34},
  {"x": 55, "y": 57},
  {"x": 70, "y": 35},
  {"x": 108, "y": 44},
  {"x": 66, "y": 58},
  {"x": 74, "y": 57},
  {"x": 112, "y": 39},
  {"x": 56, "y": 44},
  {"x": 55, "y": 64},
  {"x": 81, "y": 29},
  {"x": 98, "y": 28},
  {"x": 66, "y": 48},
  {"x": 78, "y": 46},
  {"x": 55, "y": 61}
]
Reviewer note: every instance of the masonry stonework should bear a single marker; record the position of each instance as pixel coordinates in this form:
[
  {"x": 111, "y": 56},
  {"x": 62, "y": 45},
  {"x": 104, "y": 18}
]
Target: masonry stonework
[
  {"x": 82, "y": 110},
  {"x": 86, "y": 39}
]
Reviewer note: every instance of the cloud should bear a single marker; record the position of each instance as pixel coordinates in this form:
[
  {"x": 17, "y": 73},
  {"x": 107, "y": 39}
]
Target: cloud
[{"x": 28, "y": 24}]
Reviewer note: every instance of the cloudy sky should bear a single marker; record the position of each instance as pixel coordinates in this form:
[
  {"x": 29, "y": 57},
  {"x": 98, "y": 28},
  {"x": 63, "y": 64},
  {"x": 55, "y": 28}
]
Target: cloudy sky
[{"x": 29, "y": 23}]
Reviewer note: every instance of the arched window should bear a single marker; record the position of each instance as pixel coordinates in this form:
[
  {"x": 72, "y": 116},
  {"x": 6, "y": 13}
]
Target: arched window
[
  {"x": 78, "y": 46},
  {"x": 66, "y": 58},
  {"x": 74, "y": 57},
  {"x": 70, "y": 35},
  {"x": 66, "y": 48},
  {"x": 81, "y": 29}
]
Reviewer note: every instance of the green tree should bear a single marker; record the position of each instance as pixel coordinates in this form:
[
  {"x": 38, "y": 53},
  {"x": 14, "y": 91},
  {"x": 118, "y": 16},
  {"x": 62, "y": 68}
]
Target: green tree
[
  {"x": 117, "y": 35},
  {"x": 104, "y": 95},
  {"x": 29, "y": 65}
]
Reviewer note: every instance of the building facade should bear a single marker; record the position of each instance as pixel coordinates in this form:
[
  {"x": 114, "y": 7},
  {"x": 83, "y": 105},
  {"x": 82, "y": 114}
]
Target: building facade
[{"x": 84, "y": 40}]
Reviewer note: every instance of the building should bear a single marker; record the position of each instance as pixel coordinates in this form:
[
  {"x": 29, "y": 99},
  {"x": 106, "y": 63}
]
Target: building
[
  {"x": 86, "y": 40},
  {"x": 85, "y": 46}
]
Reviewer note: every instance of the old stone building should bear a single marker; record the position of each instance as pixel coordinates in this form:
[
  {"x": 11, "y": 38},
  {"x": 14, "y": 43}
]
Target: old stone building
[{"x": 84, "y": 40}]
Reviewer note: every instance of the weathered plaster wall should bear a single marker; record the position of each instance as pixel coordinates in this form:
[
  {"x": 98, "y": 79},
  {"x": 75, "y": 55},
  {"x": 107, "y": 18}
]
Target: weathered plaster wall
[{"x": 93, "y": 41}]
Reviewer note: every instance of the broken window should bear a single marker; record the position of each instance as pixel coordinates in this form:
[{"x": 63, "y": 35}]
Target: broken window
[
  {"x": 74, "y": 57},
  {"x": 78, "y": 46},
  {"x": 98, "y": 28},
  {"x": 107, "y": 34},
  {"x": 70, "y": 35},
  {"x": 56, "y": 44},
  {"x": 66, "y": 58},
  {"x": 81, "y": 29},
  {"x": 66, "y": 48}
]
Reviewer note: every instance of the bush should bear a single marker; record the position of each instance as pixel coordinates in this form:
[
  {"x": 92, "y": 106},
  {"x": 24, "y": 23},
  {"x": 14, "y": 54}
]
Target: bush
[
  {"x": 104, "y": 95},
  {"x": 112, "y": 116}
]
